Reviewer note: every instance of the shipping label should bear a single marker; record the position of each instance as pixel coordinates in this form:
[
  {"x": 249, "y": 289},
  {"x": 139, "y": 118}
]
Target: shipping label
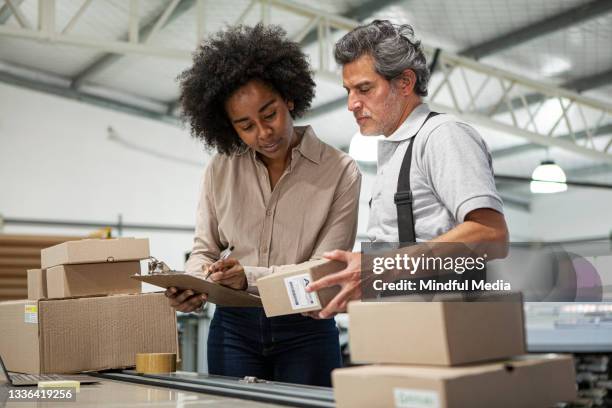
[
  {"x": 410, "y": 398},
  {"x": 296, "y": 290},
  {"x": 31, "y": 314}
]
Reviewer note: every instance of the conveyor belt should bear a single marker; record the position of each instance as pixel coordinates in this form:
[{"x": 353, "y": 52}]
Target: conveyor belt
[{"x": 266, "y": 391}]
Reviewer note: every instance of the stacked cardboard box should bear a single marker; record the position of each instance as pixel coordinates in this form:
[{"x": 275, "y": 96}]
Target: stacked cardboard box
[
  {"x": 448, "y": 353},
  {"x": 93, "y": 267},
  {"x": 84, "y": 312}
]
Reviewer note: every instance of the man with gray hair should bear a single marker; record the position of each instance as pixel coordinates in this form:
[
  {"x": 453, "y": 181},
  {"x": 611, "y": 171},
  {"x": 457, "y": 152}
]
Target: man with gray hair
[{"x": 434, "y": 181}]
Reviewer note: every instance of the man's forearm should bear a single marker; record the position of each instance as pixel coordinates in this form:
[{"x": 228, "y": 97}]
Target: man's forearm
[{"x": 483, "y": 230}]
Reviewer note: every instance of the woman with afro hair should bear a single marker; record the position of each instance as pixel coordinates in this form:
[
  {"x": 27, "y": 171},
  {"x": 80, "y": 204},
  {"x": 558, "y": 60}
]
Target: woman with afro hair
[{"x": 274, "y": 192}]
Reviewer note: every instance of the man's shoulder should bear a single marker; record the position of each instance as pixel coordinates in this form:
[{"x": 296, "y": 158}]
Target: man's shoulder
[
  {"x": 444, "y": 122},
  {"x": 444, "y": 130}
]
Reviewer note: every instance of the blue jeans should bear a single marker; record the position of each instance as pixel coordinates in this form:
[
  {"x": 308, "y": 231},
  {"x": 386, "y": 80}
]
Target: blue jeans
[{"x": 243, "y": 342}]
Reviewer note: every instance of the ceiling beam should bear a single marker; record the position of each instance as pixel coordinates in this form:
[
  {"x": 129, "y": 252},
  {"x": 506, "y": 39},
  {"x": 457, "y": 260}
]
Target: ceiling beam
[
  {"x": 519, "y": 179},
  {"x": 593, "y": 170},
  {"x": 144, "y": 33},
  {"x": 13, "y": 8},
  {"x": 550, "y": 24},
  {"x": 358, "y": 13},
  {"x": 523, "y": 148},
  {"x": 582, "y": 84},
  {"x": 368, "y": 9},
  {"x": 5, "y": 10},
  {"x": 578, "y": 84},
  {"x": 546, "y": 26},
  {"x": 96, "y": 100},
  {"x": 590, "y": 82},
  {"x": 161, "y": 21}
]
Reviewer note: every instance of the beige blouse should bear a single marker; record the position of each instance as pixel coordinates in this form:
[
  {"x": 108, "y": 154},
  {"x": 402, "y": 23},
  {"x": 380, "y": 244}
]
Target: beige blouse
[{"x": 312, "y": 209}]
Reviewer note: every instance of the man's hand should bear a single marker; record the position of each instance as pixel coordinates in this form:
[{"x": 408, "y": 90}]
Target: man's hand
[
  {"x": 185, "y": 301},
  {"x": 229, "y": 272},
  {"x": 349, "y": 280}
]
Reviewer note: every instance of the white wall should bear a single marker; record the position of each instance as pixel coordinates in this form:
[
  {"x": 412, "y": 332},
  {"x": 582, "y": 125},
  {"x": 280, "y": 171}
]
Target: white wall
[
  {"x": 576, "y": 213},
  {"x": 57, "y": 162}
]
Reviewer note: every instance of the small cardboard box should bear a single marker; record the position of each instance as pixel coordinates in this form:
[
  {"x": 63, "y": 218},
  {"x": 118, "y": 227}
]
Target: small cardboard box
[
  {"x": 37, "y": 284},
  {"x": 533, "y": 381},
  {"x": 445, "y": 333},
  {"x": 284, "y": 291},
  {"x": 95, "y": 251},
  {"x": 92, "y": 279},
  {"x": 85, "y": 334}
]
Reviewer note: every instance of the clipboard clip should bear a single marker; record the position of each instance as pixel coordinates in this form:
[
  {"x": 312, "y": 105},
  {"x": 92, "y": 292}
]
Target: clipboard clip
[{"x": 157, "y": 267}]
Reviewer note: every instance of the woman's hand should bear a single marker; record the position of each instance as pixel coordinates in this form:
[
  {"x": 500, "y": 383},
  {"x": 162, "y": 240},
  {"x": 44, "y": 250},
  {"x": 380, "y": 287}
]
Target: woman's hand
[
  {"x": 185, "y": 301},
  {"x": 229, "y": 272}
]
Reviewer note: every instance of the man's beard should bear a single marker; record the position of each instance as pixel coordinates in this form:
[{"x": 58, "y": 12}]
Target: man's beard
[
  {"x": 393, "y": 109},
  {"x": 391, "y": 112}
]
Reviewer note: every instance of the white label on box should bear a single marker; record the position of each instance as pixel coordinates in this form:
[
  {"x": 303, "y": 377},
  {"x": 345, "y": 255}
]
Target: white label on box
[
  {"x": 31, "y": 314},
  {"x": 409, "y": 398},
  {"x": 296, "y": 289}
]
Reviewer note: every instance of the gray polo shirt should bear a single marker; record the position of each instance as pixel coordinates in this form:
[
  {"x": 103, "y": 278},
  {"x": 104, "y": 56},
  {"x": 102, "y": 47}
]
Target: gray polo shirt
[{"x": 451, "y": 175}]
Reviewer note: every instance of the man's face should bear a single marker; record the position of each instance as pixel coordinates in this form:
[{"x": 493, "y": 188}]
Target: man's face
[{"x": 374, "y": 101}]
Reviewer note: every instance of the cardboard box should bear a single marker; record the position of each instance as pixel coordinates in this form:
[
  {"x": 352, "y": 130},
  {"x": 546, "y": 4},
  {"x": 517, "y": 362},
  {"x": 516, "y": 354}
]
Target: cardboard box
[
  {"x": 533, "y": 381},
  {"x": 92, "y": 279},
  {"x": 443, "y": 333},
  {"x": 95, "y": 251},
  {"x": 84, "y": 334},
  {"x": 37, "y": 284},
  {"x": 283, "y": 292}
]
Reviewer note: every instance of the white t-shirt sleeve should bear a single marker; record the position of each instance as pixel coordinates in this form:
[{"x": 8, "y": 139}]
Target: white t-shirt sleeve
[{"x": 459, "y": 166}]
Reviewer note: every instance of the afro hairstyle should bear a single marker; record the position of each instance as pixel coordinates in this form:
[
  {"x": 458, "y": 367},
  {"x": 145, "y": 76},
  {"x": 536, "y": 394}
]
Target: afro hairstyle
[{"x": 230, "y": 59}]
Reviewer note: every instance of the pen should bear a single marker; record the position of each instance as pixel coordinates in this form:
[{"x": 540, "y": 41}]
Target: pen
[{"x": 224, "y": 255}]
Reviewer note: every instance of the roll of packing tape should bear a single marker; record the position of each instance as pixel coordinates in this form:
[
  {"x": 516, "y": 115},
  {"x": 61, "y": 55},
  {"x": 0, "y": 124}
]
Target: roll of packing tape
[{"x": 155, "y": 363}]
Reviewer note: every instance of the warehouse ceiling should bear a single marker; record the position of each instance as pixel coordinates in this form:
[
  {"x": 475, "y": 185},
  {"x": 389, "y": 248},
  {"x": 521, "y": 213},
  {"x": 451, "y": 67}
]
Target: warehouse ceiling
[{"x": 534, "y": 77}]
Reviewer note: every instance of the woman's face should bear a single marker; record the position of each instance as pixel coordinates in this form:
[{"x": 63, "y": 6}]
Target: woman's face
[{"x": 261, "y": 118}]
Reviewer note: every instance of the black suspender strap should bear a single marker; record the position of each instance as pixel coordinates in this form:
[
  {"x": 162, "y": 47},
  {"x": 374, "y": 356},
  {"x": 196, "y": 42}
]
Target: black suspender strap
[{"x": 403, "y": 196}]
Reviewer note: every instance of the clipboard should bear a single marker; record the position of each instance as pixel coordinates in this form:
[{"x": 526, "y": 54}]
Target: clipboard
[{"x": 217, "y": 294}]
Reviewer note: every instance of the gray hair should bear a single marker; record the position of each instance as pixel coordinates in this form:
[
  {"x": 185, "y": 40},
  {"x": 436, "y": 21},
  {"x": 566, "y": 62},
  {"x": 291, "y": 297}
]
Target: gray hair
[{"x": 392, "y": 47}]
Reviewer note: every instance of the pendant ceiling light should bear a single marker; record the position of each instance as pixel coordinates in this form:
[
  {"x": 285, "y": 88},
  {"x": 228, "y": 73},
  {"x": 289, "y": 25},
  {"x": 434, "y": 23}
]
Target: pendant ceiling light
[{"x": 548, "y": 178}]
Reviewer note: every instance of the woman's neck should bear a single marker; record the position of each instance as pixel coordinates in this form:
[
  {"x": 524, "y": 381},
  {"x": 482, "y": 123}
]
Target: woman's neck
[{"x": 282, "y": 163}]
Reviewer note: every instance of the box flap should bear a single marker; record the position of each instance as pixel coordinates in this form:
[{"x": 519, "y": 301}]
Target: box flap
[{"x": 37, "y": 284}]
